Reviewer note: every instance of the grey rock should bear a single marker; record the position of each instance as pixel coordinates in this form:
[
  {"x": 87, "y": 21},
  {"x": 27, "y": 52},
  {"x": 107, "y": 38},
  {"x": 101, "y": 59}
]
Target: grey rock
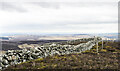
[
  {"x": 5, "y": 62},
  {"x": 17, "y": 56}
]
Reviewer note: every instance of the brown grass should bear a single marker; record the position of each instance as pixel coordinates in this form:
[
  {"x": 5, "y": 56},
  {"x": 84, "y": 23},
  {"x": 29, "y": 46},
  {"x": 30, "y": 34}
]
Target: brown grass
[{"x": 107, "y": 58}]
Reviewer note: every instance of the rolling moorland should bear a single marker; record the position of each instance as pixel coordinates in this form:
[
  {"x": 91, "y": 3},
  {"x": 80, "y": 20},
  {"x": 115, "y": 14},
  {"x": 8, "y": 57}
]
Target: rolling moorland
[
  {"x": 106, "y": 58},
  {"x": 13, "y": 45},
  {"x": 11, "y": 42}
]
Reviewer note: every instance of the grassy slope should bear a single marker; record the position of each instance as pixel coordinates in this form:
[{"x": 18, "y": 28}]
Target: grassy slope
[{"x": 107, "y": 58}]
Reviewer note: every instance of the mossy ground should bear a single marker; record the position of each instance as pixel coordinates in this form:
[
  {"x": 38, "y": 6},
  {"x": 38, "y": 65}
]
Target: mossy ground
[{"x": 106, "y": 58}]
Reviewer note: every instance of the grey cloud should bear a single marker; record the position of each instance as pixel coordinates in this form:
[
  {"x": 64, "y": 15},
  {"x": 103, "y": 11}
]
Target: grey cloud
[
  {"x": 8, "y": 6},
  {"x": 47, "y": 4},
  {"x": 67, "y": 23},
  {"x": 16, "y": 6},
  {"x": 57, "y": 5}
]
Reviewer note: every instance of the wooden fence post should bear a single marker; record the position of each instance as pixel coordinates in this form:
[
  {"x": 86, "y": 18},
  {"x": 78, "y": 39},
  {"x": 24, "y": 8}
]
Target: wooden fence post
[
  {"x": 97, "y": 47},
  {"x": 102, "y": 44}
]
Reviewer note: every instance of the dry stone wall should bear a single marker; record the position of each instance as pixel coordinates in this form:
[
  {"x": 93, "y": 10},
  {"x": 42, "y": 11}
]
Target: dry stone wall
[{"x": 12, "y": 57}]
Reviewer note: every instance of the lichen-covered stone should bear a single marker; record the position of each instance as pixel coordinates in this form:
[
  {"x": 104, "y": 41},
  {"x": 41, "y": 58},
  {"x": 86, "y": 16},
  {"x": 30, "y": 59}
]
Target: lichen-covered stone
[{"x": 17, "y": 56}]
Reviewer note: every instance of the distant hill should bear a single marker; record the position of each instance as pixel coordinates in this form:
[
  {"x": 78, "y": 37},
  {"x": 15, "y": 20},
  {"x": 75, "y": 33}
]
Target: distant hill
[{"x": 4, "y": 38}]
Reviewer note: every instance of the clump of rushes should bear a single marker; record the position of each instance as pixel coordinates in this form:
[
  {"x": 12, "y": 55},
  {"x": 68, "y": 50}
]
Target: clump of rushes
[{"x": 103, "y": 50}]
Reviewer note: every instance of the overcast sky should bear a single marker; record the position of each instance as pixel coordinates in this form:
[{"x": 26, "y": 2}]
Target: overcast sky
[{"x": 59, "y": 17}]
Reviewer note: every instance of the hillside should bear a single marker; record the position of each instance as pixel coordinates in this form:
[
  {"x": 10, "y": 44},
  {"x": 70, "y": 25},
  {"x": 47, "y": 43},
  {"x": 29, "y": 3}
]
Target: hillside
[
  {"x": 107, "y": 58},
  {"x": 13, "y": 45}
]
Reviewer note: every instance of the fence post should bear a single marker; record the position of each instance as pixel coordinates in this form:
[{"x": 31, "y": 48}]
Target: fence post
[
  {"x": 102, "y": 44},
  {"x": 97, "y": 47}
]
